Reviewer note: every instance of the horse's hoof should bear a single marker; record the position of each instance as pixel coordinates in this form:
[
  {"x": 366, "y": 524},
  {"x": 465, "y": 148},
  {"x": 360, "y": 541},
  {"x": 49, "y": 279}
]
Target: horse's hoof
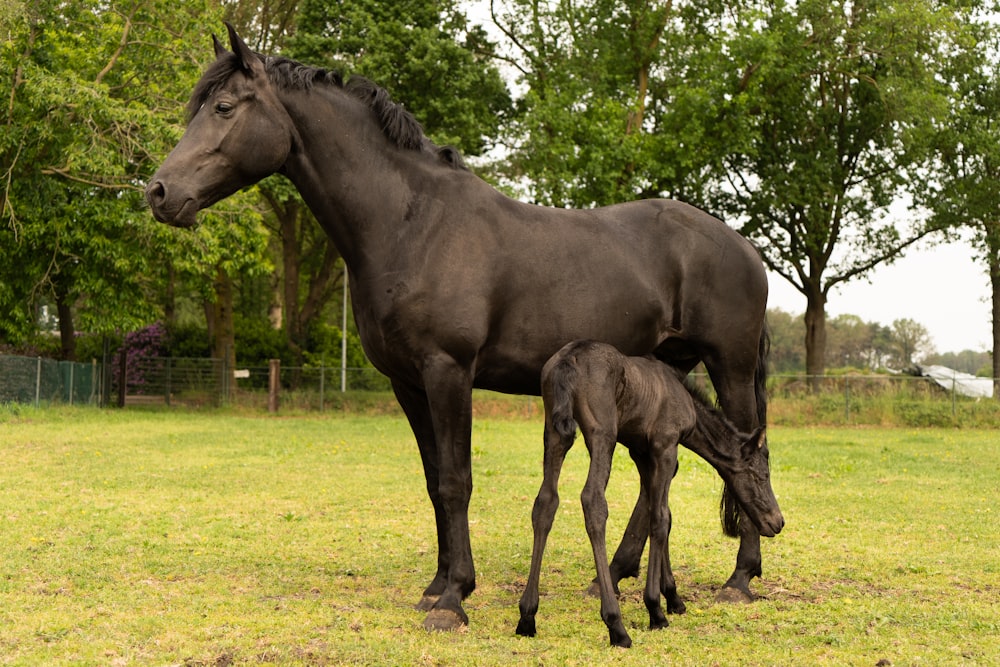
[
  {"x": 444, "y": 620},
  {"x": 594, "y": 590},
  {"x": 427, "y": 602},
  {"x": 730, "y": 595},
  {"x": 526, "y": 627}
]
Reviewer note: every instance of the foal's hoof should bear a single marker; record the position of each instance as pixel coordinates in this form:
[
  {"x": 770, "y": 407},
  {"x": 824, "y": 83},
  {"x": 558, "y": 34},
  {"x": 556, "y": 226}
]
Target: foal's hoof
[
  {"x": 444, "y": 620},
  {"x": 730, "y": 595},
  {"x": 427, "y": 602}
]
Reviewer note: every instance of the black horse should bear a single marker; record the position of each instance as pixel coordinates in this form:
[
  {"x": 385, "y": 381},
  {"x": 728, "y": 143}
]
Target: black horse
[
  {"x": 641, "y": 403},
  {"x": 455, "y": 285}
]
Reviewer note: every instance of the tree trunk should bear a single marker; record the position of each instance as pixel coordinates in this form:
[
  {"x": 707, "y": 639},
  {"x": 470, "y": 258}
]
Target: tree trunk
[
  {"x": 223, "y": 329},
  {"x": 291, "y": 259},
  {"x": 994, "y": 262},
  {"x": 67, "y": 332},
  {"x": 170, "y": 297},
  {"x": 815, "y": 320}
]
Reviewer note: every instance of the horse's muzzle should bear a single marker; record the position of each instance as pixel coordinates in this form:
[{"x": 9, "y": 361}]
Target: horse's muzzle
[{"x": 163, "y": 210}]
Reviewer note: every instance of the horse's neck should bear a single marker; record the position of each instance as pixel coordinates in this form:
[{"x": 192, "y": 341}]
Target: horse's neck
[{"x": 345, "y": 171}]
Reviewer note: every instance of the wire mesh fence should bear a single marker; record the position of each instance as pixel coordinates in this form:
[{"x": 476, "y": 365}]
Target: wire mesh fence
[
  {"x": 169, "y": 381},
  {"x": 38, "y": 381}
]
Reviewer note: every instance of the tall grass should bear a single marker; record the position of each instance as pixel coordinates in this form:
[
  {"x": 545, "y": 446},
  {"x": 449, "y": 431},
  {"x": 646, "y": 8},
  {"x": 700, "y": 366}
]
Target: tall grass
[{"x": 217, "y": 538}]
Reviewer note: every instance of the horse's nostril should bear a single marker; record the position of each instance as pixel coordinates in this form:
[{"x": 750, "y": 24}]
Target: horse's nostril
[{"x": 155, "y": 193}]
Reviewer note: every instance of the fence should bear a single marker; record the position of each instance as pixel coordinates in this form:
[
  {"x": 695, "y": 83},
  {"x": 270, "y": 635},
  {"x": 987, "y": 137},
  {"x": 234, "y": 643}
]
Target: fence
[
  {"x": 195, "y": 382},
  {"x": 35, "y": 380}
]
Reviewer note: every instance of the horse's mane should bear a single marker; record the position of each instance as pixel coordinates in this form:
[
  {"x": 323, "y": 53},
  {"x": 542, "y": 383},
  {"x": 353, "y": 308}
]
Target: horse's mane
[{"x": 398, "y": 124}]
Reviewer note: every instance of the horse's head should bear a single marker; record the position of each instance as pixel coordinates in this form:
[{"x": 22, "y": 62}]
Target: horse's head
[
  {"x": 238, "y": 133},
  {"x": 752, "y": 485}
]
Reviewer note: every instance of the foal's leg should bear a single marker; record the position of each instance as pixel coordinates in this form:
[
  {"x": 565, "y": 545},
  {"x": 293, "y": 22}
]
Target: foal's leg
[
  {"x": 595, "y": 513},
  {"x": 656, "y": 468},
  {"x": 629, "y": 554},
  {"x": 668, "y": 585},
  {"x": 542, "y": 516}
]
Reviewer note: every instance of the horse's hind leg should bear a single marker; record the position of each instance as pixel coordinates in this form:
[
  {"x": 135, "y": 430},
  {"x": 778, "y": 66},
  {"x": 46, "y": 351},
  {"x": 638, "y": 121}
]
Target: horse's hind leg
[
  {"x": 542, "y": 515},
  {"x": 595, "y": 513},
  {"x": 737, "y": 397}
]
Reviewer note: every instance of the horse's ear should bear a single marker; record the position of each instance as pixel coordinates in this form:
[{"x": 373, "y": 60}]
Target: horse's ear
[
  {"x": 247, "y": 58},
  {"x": 220, "y": 50}
]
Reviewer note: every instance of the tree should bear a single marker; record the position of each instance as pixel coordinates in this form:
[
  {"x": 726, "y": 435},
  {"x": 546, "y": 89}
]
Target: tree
[
  {"x": 910, "y": 339},
  {"x": 965, "y": 188},
  {"x": 597, "y": 123},
  {"x": 91, "y": 105},
  {"x": 835, "y": 100}
]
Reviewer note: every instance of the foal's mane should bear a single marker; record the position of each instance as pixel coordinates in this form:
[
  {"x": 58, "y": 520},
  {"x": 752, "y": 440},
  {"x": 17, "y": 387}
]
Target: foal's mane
[
  {"x": 398, "y": 124},
  {"x": 712, "y": 422}
]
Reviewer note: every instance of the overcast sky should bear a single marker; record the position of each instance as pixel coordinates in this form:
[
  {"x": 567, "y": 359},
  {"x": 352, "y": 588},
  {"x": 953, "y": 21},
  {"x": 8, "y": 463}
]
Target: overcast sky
[{"x": 942, "y": 287}]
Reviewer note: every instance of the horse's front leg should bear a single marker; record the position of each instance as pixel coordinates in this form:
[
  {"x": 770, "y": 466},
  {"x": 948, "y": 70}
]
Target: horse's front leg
[
  {"x": 449, "y": 396},
  {"x": 418, "y": 413}
]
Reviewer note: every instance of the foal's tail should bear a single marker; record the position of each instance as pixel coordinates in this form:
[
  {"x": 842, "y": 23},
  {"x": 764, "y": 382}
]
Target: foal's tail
[
  {"x": 562, "y": 379},
  {"x": 729, "y": 509}
]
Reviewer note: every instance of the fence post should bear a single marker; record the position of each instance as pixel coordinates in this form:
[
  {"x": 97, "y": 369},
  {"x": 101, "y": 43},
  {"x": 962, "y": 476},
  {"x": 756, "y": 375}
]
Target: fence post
[
  {"x": 322, "y": 384},
  {"x": 273, "y": 382},
  {"x": 170, "y": 370},
  {"x": 343, "y": 338},
  {"x": 38, "y": 383},
  {"x": 122, "y": 375},
  {"x": 72, "y": 367},
  {"x": 847, "y": 399}
]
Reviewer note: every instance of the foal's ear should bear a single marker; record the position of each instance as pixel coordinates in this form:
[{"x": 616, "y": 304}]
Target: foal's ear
[
  {"x": 756, "y": 441},
  {"x": 247, "y": 57}
]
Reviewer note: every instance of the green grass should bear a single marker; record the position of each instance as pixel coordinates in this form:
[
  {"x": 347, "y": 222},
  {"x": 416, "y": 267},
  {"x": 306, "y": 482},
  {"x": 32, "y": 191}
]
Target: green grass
[{"x": 214, "y": 538}]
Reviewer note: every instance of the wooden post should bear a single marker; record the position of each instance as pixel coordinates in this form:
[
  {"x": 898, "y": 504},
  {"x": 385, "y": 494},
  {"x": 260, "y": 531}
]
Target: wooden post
[{"x": 273, "y": 383}]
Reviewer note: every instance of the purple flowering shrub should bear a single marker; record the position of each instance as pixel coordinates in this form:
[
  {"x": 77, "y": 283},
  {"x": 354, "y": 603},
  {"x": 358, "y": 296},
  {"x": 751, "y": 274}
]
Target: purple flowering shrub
[{"x": 144, "y": 352}]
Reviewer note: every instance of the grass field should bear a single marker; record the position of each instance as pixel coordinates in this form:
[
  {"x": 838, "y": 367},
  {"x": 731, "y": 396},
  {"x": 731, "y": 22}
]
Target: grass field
[{"x": 215, "y": 538}]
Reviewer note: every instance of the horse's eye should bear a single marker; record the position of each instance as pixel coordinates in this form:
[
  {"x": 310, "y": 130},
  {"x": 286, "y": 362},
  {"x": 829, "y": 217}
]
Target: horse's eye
[{"x": 223, "y": 107}]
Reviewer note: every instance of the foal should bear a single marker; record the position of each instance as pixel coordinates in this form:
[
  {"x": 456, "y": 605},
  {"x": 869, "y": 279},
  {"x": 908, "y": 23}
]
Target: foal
[{"x": 641, "y": 403}]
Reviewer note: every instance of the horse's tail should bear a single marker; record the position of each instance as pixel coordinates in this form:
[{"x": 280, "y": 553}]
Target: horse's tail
[
  {"x": 562, "y": 379},
  {"x": 729, "y": 509}
]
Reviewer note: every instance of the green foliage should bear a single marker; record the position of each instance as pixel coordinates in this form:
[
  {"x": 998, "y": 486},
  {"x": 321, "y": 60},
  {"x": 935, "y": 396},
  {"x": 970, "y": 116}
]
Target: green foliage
[
  {"x": 92, "y": 105},
  {"x": 257, "y": 343},
  {"x": 425, "y": 53},
  {"x": 325, "y": 342}
]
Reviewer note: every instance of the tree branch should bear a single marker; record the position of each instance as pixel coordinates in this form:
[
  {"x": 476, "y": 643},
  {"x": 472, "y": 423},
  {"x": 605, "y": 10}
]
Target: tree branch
[
  {"x": 65, "y": 173},
  {"x": 121, "y": 47}
]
